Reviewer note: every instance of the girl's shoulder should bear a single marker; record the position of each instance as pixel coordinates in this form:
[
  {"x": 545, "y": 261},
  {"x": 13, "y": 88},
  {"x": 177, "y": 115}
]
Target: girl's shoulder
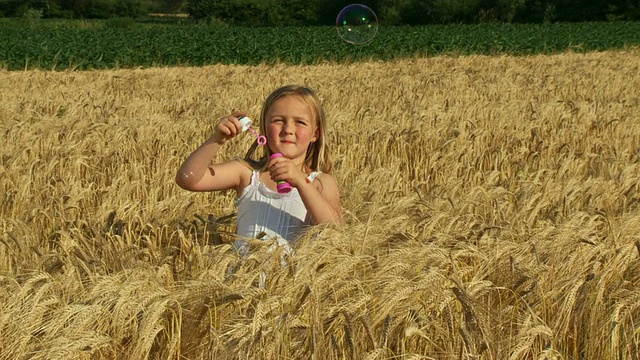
[
  {"x": 325, "y": 182},
  {"x": 244, "y": 164}
]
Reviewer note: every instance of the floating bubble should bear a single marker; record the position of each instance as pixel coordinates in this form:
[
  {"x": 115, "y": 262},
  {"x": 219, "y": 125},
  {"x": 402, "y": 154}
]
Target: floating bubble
[{"x": 357, "y": 24}]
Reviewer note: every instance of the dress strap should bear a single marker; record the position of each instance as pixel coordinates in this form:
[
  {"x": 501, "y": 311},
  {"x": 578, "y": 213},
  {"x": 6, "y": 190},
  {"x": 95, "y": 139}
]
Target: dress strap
[
  {"x": 255, "y": 178},
  {"x": 313, "y": 175}
]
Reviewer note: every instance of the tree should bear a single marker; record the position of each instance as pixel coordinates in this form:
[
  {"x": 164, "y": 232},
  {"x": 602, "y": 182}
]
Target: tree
[
  {"x": 330, "y": 9},
  {"x": 171, "y": 6},
  {"x": 628, "y": 10},
  {"x": 580, "y": 10},
  {"x": 456, "y": 11},
  {"x": 293, "y": 12},
  {"x": 418, "y": 12},
  {"x": 206, "y": 9}
]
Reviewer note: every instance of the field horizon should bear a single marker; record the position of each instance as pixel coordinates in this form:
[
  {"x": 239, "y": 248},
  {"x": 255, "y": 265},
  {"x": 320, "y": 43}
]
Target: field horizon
[{"x": 492, "y": 208}]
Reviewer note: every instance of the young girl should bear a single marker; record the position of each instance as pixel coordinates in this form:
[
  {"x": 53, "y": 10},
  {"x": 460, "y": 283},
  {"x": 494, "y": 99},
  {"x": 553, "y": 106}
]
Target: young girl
[{"x": 294, "y": 124}]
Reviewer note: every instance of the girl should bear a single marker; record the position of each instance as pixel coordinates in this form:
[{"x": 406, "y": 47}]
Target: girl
[{"x": 294, "y": 124}]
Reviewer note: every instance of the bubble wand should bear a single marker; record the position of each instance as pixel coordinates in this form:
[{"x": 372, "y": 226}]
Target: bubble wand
[{"x": 282, "y": 186}]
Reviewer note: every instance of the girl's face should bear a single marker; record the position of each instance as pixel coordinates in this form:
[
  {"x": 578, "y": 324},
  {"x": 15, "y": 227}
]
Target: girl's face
[{"x": 291, "y": 128}]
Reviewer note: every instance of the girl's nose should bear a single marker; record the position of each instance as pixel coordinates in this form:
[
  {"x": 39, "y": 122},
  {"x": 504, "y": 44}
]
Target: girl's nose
[{"x": 288, "y": 127}]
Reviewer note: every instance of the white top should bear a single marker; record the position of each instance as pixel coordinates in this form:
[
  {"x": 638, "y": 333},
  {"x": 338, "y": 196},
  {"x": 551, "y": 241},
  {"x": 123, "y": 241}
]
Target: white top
[{"x": 261, "y": 209}]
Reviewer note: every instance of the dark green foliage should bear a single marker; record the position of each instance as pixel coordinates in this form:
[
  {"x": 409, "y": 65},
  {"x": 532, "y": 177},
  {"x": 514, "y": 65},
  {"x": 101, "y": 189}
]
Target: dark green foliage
[
  {"x": 330, "y": 9},
  {"x": 323, "y": 12},
  {"x": 623, "y": 10},
  {"x": 580, "y": 10},
  {"x": 100, "y": 9},
  {"x": 254, "y": 13}
]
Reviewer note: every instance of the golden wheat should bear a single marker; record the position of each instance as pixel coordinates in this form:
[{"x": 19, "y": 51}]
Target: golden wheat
[{"x": 491, "y": 203}]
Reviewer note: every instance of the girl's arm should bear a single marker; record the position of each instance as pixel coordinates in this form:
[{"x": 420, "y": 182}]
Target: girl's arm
[
  {"x": 321, "y": 198},
  {"x": 322, "y": 201},
  {"x": 198, "y": 174}
]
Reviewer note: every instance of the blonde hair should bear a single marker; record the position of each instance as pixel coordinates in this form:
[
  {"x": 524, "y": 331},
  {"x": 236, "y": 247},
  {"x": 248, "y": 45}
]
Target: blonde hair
[{"x": 317, "y": 157}]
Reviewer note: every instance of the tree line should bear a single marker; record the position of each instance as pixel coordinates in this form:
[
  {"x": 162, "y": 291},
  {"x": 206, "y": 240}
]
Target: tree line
[
  {"x": 323, "y": 12},
  {"x": 88, "y": 9}
]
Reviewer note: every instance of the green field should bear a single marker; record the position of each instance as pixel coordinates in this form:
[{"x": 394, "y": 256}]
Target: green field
[{"x": 108, "y": 44}]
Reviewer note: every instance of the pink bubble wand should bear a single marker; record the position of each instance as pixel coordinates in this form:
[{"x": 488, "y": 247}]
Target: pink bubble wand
[{"x": 282, "y": 186}]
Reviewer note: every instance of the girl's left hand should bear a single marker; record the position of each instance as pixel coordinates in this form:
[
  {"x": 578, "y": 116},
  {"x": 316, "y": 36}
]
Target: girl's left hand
[{"x": 283, "y": 169}]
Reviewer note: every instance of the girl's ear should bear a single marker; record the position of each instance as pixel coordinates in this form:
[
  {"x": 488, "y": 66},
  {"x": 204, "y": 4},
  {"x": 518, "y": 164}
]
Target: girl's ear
[{"x": 316, "y": 135}]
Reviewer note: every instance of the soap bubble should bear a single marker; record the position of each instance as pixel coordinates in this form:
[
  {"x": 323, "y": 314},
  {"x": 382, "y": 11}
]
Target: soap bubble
[{"x": 357, "y": 24}]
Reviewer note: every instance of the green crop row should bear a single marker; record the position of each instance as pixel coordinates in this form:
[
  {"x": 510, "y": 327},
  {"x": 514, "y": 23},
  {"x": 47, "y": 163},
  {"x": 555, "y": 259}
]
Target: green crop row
[{"x": 39, "y": 46}]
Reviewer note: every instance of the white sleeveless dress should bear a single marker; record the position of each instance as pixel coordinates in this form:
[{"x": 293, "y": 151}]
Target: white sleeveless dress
[{"x": 280, "y": 216}]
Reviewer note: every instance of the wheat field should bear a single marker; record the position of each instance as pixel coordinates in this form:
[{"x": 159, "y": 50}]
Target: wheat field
[{"x": 492, "y": 208}]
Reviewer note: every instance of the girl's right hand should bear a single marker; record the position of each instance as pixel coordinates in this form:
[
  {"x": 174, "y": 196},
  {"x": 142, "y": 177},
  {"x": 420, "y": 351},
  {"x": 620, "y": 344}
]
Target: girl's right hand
[{"x": 229, "y": 127}]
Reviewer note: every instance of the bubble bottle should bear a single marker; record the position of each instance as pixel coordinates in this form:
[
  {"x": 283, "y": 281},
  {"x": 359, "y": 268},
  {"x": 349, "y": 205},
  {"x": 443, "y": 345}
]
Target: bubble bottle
[{"x": 282, "y": 186}]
